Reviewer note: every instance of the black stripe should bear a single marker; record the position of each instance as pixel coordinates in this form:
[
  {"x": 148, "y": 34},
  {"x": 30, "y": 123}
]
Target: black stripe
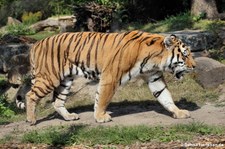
[
  {"x": 156, "y": 94},
  {"x": 122, "y": 37},
  {"x": 50, "y": 80},
  {"x": 145, "y": 60},
  {"x": 65, "y": 38},
  {"x": 153, "y": 41},
  {"x": 48, "y": 87},
  {"x": 47, "y": 56},
  {"x": 89, "y": 51},
  {"x": 57, "y": 37},
  {"x": 129, "y": 74},
  {"x": 156, "y": 79},
  {"x": 121, "y": 49},
  {"x": 96, "y": 55},
  {"x": 105, "y": 39},
  {"x": 82, "y": 45},
  {"x": 64, "y": 86},
  {"x": 178, "y": 56},
  {"x": 36, "y": 93},
  {"x": 53, "y": 59},
  {"x": 38, "y": 52},
  {"x": 56, "y": 95},
  {"x": 114, "y": 39},
  {"x": 171, "y": 60},
  {"x": 77, "y": 40},
  {"x": 146, "y": 38}
]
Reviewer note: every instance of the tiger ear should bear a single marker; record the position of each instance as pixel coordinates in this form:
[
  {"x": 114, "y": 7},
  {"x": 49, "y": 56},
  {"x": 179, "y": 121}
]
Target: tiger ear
[{"x": 169, "y": 41}]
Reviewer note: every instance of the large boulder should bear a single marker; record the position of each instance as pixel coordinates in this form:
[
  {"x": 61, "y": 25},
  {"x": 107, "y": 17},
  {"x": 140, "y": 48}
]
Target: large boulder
[
  {"x": 10, "y": 46},
  {"x": 65, "y": 23},
  {"x": 209, "y": 72},
  {"x": 8, "y": 51},
  {"x": 12, "y": 21}
]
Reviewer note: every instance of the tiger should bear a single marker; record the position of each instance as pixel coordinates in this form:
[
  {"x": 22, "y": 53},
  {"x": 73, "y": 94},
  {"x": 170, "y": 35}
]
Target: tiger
[{"x": 110, "y": 58}]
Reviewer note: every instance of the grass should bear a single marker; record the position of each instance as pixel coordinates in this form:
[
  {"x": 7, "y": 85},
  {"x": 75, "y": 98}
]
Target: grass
[
  {"x": 43, "y": 34},
  {"x": 182, "y": 21},
  {"x": 90, "y": 136},
  {"x": 187, "y": 89}
]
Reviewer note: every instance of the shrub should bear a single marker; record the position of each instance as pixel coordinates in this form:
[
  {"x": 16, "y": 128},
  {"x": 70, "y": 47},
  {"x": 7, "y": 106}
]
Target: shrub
[
  {"x": 5, "y": 110},
  {"x": 19, "y": 29},
  {"x": 30, "y": 18}
]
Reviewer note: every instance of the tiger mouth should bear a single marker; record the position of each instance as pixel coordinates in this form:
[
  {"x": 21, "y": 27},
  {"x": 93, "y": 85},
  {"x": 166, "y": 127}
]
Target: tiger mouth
[{"x": 179, "y": 75}]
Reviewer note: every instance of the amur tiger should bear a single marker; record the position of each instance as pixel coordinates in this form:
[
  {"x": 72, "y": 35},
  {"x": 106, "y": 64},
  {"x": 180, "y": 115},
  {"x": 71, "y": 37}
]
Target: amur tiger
[{"x": 111, "y": 58}]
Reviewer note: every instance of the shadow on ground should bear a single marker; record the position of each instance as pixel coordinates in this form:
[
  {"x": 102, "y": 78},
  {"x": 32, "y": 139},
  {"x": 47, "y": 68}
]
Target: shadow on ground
[{"x": 127, "y": 107}]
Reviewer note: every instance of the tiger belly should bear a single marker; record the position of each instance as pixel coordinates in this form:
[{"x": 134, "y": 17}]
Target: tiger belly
[{"x": 85, "y": 72}]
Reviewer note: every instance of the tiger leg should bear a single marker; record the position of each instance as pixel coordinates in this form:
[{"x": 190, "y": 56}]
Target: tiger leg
[
  {"x": 59, "y": 99},
  {"x": 159, "y": 89},
  {"x": 103, "y": 97},
  {"x": 38, "y": 91}
]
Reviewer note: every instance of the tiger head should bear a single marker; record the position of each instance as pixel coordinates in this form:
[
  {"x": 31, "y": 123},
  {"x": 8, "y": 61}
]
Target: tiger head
[{"x": 179, "y": 58}]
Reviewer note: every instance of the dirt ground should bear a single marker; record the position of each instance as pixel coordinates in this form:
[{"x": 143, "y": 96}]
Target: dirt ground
[{"x": 127, "y": 116}]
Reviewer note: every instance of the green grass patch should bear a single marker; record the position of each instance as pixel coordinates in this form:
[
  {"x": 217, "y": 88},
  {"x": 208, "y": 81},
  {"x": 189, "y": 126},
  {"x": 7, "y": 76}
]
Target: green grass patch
[
  {"x": 43, "y": 34},
  {"x": 19, "y": 29},
  {"x": 75, "y": 135}
]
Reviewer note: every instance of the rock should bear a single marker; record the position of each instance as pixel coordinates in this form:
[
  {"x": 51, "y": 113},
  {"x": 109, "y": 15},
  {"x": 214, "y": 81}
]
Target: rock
[
  {"x": 209, "y": 72},
  {"x": 18, "y": 68},
  {"x": 10, "y": 50},
  {"x": 65, "y": 23},
  {"x": 8, "y": 39},
  {"x": 197, "y": 40},
  {"x": 13, "y": 21},
  {"x": 17, "y": 74}
]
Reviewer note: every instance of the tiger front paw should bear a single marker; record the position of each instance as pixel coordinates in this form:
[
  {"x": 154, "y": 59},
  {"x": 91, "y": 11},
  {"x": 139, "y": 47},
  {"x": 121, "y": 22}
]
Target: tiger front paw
[
  {"x": 71, "y": 117},
  {"x": 102, "y": 117},
  {"x": 181, "y": 114}
]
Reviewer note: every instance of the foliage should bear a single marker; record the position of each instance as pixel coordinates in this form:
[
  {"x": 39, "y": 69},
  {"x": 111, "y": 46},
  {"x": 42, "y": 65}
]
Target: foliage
[
  {"x": 119, "y": 134},
  {"x": 199, "y": 17},
  {"x": 2, "y": 81},
  {"x": 19, "y": 29},
  {"x": 30, "y": 18},
  {"x": 180, "y": 22},
  {"x": 5, "y": 110}
]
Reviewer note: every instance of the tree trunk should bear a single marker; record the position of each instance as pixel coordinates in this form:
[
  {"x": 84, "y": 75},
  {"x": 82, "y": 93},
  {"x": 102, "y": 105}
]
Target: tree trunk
[{"x": 208, "y": 7}]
